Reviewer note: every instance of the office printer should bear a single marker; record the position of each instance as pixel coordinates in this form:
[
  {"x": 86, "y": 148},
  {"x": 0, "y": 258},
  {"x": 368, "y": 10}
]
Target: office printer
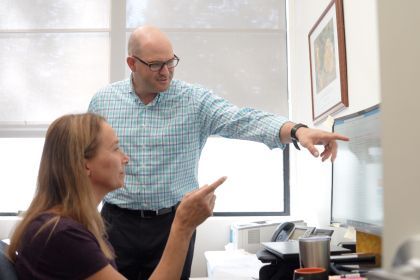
[{"x": 248, "y": 236}]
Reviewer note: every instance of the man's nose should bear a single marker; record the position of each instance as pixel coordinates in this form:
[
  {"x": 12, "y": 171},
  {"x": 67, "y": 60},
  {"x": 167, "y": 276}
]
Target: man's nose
[{"x": 164, "y": 68}]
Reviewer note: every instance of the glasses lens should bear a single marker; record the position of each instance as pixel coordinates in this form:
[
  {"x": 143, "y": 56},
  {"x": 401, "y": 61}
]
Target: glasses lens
[
  {"x": 155, "y": 66},
  {"x": 172, "y": 63}
]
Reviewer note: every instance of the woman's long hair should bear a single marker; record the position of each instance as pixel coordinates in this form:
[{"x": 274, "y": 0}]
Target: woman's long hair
[{"x": 63, "y": 186}]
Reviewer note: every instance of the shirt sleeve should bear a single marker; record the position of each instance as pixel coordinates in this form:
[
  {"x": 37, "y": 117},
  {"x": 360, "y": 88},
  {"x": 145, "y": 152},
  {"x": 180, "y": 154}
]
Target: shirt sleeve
[
  {"x": 92, "y": 105},
  {"x": 73, "y": 253},
  {"x": 220, "y": 117}
]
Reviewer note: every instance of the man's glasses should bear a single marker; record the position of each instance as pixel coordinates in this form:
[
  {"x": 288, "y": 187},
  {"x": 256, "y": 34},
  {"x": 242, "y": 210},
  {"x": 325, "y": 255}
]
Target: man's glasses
[{"x": 157, "y": 66}]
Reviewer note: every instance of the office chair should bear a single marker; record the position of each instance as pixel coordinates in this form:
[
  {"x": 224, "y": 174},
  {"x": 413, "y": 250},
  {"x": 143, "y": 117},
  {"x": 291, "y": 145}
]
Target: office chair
[{"x": 7, "y": 269}]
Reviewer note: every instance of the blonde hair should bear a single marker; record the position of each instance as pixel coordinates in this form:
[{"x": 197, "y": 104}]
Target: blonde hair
[{"x": 63, "y": 186}]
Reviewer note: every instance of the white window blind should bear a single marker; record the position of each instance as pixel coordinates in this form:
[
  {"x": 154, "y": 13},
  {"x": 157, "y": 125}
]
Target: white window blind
[
  {"x": 237, "y": 47},
  {"x": 55, "y": 54}
]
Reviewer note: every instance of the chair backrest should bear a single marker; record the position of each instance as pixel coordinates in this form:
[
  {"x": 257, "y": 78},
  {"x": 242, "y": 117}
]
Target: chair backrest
[{"x": 7, "y": 269}]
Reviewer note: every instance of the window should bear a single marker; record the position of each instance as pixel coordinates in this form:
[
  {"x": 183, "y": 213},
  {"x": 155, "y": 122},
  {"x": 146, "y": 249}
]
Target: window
[
  {"x": 258, "y": 178},
  {"x": 55, "y": 55},
  {"x": 19, "y": 165},
  {"x": 45, "y": 71},
  {"x": 44, "y": 74}
]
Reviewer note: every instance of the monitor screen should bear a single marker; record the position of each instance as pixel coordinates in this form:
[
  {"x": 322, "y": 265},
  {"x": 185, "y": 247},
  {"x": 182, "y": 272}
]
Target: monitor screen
[{"x": 357, "y": 181}]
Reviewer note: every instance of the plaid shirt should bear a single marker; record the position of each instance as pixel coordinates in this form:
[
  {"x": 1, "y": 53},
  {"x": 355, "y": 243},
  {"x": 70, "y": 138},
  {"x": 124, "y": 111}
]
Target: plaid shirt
[{"x": 164, "y": 138}]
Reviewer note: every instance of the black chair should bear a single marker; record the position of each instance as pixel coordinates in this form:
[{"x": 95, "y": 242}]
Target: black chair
[
  {"x": 276, "y": 267},
  {"x": 7, "y": 269}
]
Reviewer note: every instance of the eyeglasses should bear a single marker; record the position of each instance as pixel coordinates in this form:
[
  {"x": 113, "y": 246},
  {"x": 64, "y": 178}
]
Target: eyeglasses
[{"x": 157, "y": 66}]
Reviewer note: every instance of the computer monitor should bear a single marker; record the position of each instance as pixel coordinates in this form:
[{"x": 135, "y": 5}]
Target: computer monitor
[{"x": 357, "y": 176}]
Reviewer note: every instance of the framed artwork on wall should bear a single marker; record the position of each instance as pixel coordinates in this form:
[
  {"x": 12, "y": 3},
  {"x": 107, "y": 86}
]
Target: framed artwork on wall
[{"x": 327, "y": 53}]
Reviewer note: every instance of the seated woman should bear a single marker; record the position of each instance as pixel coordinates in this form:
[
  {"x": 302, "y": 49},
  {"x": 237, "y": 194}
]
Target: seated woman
[{"x": 62, "y": 235}]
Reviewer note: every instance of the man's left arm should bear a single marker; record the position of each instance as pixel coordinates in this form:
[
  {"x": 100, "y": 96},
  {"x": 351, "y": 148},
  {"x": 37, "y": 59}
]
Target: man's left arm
[
  {"x": 309, "y": 137},
  {"x": 224, "y": 119}
]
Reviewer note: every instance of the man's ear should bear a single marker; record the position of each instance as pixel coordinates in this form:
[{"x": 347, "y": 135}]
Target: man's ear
[{"x": 131, "y": 62}]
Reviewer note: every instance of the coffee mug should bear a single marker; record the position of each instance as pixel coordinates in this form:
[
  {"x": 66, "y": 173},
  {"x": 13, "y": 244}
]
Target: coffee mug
[
  {"x": 314, "y": 251},
  {"x": 310, "y": 273}
]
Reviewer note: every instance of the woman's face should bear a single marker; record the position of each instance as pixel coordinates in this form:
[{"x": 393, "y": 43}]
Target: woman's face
[{"x": 106, "y": 168}]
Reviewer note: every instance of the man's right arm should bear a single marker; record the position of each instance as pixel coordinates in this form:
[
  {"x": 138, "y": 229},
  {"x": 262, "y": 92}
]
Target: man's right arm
[{"x": 92, "y": 105}]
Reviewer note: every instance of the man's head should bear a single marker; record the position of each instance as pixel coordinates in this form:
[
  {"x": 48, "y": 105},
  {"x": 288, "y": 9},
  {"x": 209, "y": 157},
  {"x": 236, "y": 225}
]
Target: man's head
[{"x": 147, "y": 47}]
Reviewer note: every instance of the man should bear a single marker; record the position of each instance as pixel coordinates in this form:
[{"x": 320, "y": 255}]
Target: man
[{"x": 163, "y": 125}]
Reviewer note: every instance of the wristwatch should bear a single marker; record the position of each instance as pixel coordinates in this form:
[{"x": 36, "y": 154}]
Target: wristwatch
[{"x": 293, "y": 134}]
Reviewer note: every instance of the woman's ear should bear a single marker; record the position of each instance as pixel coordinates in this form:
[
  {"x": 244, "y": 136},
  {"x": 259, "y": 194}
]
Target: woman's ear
[{"x": 87, "y": 168}]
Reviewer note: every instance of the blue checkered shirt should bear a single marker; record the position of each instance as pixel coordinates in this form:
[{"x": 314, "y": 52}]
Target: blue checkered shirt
[{"x": 164, "y": 138}]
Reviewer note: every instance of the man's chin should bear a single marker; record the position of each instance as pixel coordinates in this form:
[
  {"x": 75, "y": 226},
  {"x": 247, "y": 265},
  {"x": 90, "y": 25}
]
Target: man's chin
[{"x": 161, "y": 87}]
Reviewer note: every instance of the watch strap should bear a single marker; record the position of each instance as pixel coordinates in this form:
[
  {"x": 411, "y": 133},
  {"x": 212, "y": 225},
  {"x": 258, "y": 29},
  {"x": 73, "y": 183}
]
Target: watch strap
[{"x": 293, "y": 134}]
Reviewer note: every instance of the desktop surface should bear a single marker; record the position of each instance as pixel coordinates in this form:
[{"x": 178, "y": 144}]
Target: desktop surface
[{"x": 289, "y": 250}]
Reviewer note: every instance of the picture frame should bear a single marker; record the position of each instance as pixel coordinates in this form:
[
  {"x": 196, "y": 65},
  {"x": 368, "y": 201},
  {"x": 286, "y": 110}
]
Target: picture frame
[{"x": 328, "y": 66}]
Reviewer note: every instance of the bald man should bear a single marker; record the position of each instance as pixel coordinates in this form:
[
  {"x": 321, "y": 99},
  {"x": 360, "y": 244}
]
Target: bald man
[{"x": 163, "y": 125}]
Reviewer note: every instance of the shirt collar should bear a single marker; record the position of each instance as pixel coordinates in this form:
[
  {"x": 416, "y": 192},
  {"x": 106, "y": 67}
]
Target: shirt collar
[{"x": 133, "y": 93}]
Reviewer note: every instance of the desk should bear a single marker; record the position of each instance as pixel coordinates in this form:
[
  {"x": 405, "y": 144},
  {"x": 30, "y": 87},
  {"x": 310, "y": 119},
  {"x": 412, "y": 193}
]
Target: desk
[
  {"x": 232, "y": 265},
  {"x": 283, "y": 259}
]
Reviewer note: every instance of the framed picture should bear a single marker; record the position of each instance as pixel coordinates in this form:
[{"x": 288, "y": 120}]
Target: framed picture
[{"x": 327, "y": 52}]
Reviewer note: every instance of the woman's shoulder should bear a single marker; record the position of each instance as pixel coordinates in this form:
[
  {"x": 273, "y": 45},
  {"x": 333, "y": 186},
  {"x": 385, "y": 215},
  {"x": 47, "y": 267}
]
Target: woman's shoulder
[
  {"x": 51, "y": 225},
  {"x": 56, "y": 246}
]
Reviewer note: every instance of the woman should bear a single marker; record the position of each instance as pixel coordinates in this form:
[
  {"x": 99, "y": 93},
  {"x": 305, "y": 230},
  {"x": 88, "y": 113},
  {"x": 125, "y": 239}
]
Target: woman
[{"x": 62, "y": 235}]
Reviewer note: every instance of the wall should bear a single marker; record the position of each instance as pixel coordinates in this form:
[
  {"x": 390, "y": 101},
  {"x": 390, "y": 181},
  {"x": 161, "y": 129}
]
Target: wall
[
  {"x": 382, "y": 61},
  {"x": 400, "y": 57},
  {"x": 6, "y": 226},
  {"x": 310, "y": 179}
]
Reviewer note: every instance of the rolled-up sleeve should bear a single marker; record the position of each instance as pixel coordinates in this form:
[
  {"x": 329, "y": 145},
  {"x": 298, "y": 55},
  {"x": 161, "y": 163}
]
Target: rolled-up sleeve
[{"x": 220, "y": 117}]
